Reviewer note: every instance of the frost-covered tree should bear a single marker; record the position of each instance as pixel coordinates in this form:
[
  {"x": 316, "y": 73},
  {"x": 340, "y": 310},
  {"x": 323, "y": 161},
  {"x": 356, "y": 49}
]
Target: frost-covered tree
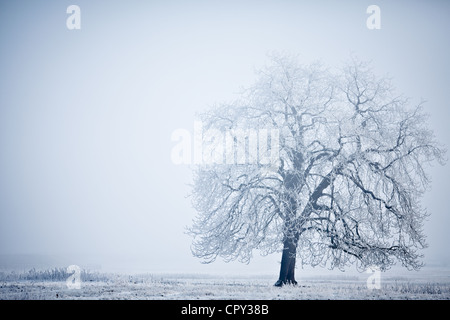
[{"x": 346, "y": 186}]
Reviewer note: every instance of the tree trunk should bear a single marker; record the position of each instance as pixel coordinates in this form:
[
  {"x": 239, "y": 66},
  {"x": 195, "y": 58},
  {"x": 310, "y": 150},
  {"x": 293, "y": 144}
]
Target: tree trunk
[{"x": 287, "y": 268}]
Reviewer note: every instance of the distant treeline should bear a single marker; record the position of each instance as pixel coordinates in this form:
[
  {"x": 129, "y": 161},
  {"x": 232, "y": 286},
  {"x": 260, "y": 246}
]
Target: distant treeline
[{"x": 55, "y": 274}]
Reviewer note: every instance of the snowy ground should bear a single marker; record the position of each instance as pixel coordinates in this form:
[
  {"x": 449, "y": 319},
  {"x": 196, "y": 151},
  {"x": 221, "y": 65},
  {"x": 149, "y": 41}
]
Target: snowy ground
[{"x": 50, "y": 285}]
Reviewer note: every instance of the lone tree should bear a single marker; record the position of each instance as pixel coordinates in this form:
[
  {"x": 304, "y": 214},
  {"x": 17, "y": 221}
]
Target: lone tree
[{"x": 345, "y": 187}]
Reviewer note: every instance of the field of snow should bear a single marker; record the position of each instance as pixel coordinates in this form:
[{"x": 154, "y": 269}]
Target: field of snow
[{"x": 51, "y": 285}]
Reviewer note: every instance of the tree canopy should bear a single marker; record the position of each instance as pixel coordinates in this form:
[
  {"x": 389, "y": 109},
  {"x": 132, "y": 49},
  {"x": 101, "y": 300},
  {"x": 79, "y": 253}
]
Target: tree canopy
[{"x": 347, "y": 182}]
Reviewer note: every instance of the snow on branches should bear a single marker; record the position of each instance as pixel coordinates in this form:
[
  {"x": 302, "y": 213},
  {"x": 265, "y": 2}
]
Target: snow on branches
[{"x": 347, "y": 183}]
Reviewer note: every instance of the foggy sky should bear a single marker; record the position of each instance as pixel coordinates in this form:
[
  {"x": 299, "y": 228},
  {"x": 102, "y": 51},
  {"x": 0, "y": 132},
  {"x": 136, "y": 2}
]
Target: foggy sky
[{"x": 86, "y": 115}]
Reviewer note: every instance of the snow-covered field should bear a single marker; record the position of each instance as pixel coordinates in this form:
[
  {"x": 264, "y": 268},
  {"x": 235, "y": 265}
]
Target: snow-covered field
[{"x": 51, "y": 284}]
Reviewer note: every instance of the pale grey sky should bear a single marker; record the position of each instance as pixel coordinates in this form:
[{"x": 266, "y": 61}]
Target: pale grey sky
[{"x": 86, "y": 115}]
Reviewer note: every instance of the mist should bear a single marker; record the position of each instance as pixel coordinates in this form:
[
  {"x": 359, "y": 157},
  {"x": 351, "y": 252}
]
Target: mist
[{"x": 86, "y": 115}]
